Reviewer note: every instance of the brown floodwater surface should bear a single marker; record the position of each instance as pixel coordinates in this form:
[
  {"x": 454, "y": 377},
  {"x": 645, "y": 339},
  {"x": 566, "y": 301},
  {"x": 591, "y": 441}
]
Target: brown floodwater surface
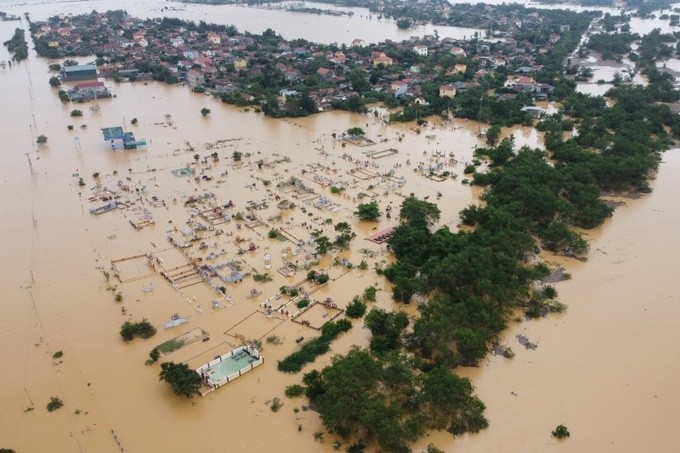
[{"x": 607, "y": 367}]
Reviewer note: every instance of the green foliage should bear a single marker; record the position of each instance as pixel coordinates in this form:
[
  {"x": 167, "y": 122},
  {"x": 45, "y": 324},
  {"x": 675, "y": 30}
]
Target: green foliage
[
  {"x": 41, "y": 140},
  {"x": 368, "y": 211},
  {"x": 55, "y": 82},
  {"x": 142, "y": 329},
  {"x": 403, "y": 23},
  {"x": 419, "y": 212},
  {"x": 262, "y": 278},
  {"x": 302, "y": 303},
  {"x": 237, "y": 155},
  {"x": 17, "y": 45},
  {"x": 183, "y": 381},
  {"x": 386, "y": 329},
  {"x": 383, "y": 401},
  {"x": 295, "y": 390},
  {"x": 134, "y": 121},
  {"x": 355, "y": 132},
  {"x": 356, "y": 308},
  {"x": 154, "y": 355},
  {"x": 76, "y": 112},
  {"x": 561, "y": 432},
  {"x": 205, "y": 111},
  {"x": 370, "y": 293},
  {"x": 492, "y": 135},
  {"x": 276, "y": 405},
  {"x": 313, "y": 348},
  {"x": 170, "y": 346},
  {"x": 58, "y": 355},
  {"x": 54, "y": 404}
]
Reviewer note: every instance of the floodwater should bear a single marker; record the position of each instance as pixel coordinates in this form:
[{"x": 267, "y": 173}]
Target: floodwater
[
  {"x": 612, "y": 352},
  {"x": 322, "y": 28}
]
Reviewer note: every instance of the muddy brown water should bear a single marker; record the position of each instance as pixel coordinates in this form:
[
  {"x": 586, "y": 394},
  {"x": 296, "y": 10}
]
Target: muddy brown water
[{"x": 606, "y": 368}]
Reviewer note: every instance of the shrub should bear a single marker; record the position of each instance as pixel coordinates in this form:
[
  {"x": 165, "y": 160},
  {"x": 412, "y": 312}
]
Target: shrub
[
  {"x": 356, "y": 308},
  {"x": 561, "y": 432},
  {"x": 54, "y": 404},
  {"x": 276, "y": 405},
  {"x": 154, "y": 355},
  {"x": 182, "y": 380},
  {"x": 262, "y": 278},
  {"x": 295, "y": 390},
  {"x": 370, "y": 293},
  {"x": 76, "y": 112},
  {"x": 313, "y": 348},
  {"x": 142, "y": 329},
  {"x": 58, "y": 355}
]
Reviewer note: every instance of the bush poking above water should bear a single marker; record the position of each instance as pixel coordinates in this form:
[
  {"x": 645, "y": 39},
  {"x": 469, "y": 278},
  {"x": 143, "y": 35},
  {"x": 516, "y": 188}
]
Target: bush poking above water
[{"x": 54, "y": 404}]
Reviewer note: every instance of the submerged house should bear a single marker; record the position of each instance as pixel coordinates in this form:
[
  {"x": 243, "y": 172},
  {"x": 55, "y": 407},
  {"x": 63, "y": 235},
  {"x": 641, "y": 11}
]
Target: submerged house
[
  {"x": 120, "y": 139},
  {"x": 79, "y": 72},
  {"x": 88, "y": 91}
]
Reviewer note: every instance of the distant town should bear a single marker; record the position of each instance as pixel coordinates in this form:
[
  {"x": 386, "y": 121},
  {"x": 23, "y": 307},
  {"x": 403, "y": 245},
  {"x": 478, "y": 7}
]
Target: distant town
[{"x": 424, "y": 75}]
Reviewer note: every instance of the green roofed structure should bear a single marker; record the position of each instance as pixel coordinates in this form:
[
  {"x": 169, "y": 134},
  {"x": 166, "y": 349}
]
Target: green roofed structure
[
  {"x": 117, "y": 137},
  {"x": 79, "y": 72}
]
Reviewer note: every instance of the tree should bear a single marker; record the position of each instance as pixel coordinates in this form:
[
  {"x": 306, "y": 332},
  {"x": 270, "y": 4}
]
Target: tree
[
  {"x": 386, "y": 329},
  {"x": 561, "y": 432},
  {"x": 42, "y": 139},
  {"x": 355, "y": 131},
  {"x": 359, "y": 80},
  {"x": 76, "y": 112},
  {"x": 404, "y": 23},
  {"x": 205, "y": 111},
  {"x": 368, "y": 211},
  {"x": 419, "y": 212},
  {"x": 55, "y": 82},
  {"x": 182, "y": 380},
  {"x": 356, "y": 308},
  {"x": 323, "y": 244},
  {"x": 143, "y": 329},
  {"x": 493, "y": 134},
  {"x": 54, "y": 404}
]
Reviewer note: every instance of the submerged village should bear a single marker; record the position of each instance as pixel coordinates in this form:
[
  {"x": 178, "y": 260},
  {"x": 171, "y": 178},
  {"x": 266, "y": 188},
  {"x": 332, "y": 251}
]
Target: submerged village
[{"x": 337, "y": 259}]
